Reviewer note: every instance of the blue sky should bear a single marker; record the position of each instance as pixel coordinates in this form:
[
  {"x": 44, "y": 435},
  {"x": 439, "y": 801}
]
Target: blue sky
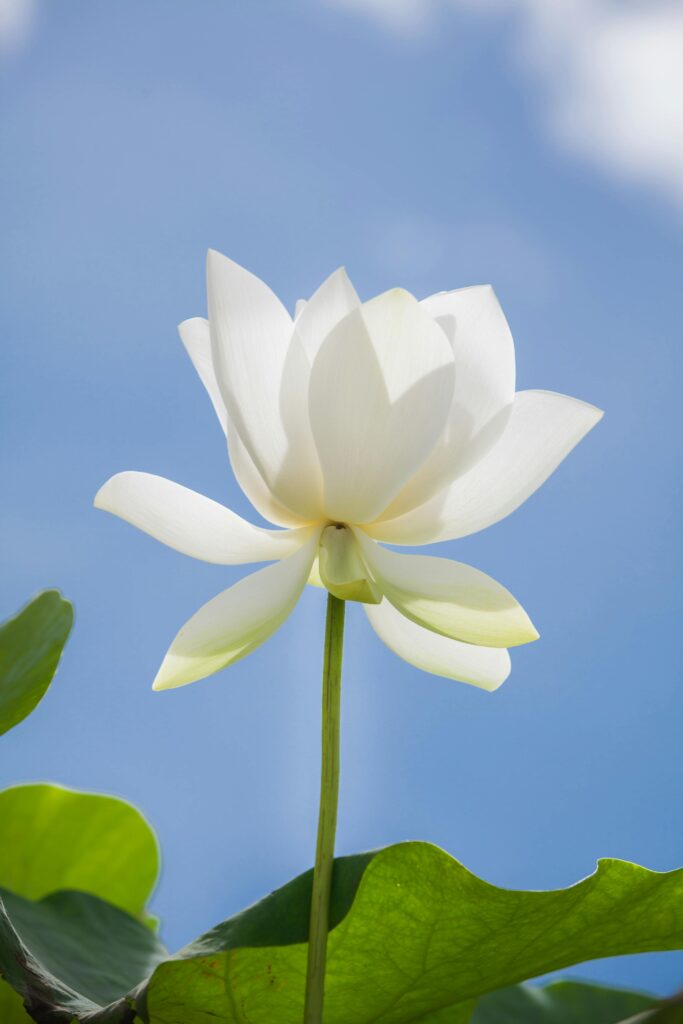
[{"x": 294, "y": 138}]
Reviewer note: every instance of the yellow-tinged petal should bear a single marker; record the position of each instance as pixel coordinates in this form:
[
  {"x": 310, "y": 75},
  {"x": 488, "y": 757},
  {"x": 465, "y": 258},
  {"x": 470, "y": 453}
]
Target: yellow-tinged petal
[
  {"x": 485, "y": 667},
  {"x": 237, "y": 621},
  {"x": 448, "y": 597}
]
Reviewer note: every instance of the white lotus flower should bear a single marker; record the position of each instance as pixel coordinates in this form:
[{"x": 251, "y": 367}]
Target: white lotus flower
[{"x": 355, "y": 424}]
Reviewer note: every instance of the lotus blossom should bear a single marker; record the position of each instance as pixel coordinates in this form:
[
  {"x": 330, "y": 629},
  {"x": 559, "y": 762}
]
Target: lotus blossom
[{"x": 353, "y": 425}]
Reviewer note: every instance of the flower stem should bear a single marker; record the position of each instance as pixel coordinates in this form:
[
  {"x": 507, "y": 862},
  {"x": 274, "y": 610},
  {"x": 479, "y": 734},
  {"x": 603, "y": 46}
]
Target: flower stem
[{"x": 327, "y": 817}]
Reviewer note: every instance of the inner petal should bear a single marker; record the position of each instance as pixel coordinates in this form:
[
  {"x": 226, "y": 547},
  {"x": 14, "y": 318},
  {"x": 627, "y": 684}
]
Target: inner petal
[{"x": 380, "y": 390}]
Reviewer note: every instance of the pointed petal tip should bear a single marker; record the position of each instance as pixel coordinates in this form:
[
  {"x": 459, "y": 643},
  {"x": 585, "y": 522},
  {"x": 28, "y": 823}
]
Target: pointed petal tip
[
  {"x": 526, "y": 633},
  {"x": 398, "y": 295},
  {"x": 595, "y": 413},
  {"x": 494, "y": 686},
  {"x": 214, "y": 259},
  {"x": 164, "y": 679}
]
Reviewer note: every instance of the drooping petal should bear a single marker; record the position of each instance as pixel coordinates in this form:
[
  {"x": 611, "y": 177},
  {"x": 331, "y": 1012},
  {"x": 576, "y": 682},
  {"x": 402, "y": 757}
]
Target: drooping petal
[
  {"x": 262, "y": 373},
  {"x": 191, "y": 523},
  {"x": 381, "y": 387},
  {"x": 484, "y": 390},
  {"x": 237, "y": 621},
  {"x": 486, "y": 667},
  {"x": 543, "y": 429},
  {"x": 448, "y": 597},
  {"x": 335, "y": 298}
]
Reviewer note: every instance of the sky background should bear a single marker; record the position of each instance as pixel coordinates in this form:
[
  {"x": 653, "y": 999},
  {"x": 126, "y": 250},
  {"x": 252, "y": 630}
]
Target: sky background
[{"x": 536, "y": 145}]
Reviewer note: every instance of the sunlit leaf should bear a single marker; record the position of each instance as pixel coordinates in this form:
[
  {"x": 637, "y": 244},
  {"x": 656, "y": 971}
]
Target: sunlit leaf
[
  {"x": 53, "y": 838},
  {"x": 416, "y": 938},
  {"x": 423, "y": 934}
]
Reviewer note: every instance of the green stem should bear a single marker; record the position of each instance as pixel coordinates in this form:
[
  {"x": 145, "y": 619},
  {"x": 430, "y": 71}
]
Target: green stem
[{"x": 327, "y": 817}]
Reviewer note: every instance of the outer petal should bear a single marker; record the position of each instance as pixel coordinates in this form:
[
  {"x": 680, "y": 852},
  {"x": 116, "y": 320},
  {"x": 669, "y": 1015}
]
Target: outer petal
[
  {"x": 191, "y": 523},
  {"x": 543, "y": 429},
  {"x": 381, "y": 387},
  {"x": 486, "y": 667},
  {"x": 484, "y": 389},
  {"x": 262, "y": 374},
  {"x": 237, "y": 621},
  {"x": 196, "y": 338},
  {"x": 448, "y": 597}
]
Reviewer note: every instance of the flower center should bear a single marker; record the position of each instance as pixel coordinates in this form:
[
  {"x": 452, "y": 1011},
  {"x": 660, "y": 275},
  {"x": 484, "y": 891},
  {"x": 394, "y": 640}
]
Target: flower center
[{"x": 342, "y": 567}]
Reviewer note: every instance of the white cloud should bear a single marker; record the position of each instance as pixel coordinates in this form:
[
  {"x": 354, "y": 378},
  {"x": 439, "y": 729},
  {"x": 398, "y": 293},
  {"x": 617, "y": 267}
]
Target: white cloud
[
  {"x": 612, "y": 71},
  {"x": 16, "y": 21}
]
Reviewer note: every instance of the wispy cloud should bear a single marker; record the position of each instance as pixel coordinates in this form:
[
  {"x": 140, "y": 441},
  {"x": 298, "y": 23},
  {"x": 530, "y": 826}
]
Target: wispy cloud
[
  {"x": 16, "y": 21},
  {"x": 612, "y": 72}
]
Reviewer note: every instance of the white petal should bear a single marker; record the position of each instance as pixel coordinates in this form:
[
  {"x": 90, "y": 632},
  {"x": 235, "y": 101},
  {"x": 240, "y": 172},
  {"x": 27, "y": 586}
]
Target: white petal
[
  {"x": 381, "y": 387},
  {"x": 192, "y": 523},
  {"x": 255, "y": 487},
  {"x": 335, "y": 298},
  {"x": 262, "y": 373},
  {"x": 447, "y": 597},
  {"x": 484, "y": 390},
  {"x": 237, "y": 621},
  {"x": 486, "y": 667},
  {"x": 196, "y": 338},
  {"x": 543, "y": 429}
]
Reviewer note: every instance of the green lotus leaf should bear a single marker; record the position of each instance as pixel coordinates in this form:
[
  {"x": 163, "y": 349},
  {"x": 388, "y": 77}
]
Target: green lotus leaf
[
  {"x": 12, "y": 1006},
  {"x": 668, "y": 1011},
  {"x": 422, "y": 936},
  {"x": 71, "y": 956},
  {"x": 561, "y": 1002},
  {"x": 415, "y": 938},
  {"x": 54, "y": 838},
  {"x": 31, "y": 645}
]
